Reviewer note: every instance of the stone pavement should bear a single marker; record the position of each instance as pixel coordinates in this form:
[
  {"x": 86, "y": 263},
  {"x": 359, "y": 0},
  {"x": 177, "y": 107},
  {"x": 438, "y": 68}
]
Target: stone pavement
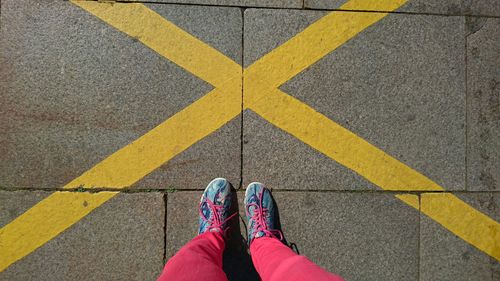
[{"x": 421, "y": 84}]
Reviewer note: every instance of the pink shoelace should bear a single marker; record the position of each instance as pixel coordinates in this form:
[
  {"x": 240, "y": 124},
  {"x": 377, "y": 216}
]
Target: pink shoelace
[
  {"x": 259, "y": 217},
  {"x": 215, "y": 220}
]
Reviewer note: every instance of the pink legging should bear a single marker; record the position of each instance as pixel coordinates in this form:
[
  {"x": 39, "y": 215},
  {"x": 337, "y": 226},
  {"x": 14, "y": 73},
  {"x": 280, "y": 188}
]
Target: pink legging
[{"x": 201, "y": 259}]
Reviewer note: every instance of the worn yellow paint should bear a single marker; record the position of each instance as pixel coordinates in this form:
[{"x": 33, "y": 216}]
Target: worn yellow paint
[
  {"x": 206, "y": 115},
  {"x": 168, "y": 40},
  {"x": 44, "y": 221},
  {"x": 463, "y": 220}
]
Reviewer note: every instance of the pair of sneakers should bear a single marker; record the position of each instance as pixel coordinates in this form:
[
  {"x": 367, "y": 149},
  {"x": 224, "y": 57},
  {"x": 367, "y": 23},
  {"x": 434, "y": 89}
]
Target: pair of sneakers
[{"x": 217, "y": 209}]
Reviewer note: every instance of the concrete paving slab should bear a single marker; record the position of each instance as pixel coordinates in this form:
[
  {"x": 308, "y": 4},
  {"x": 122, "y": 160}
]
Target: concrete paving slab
[
  {"x": 75, "y": 90},
  {"x": 444, "y": 256},
  {"x": 121, "y": 240},
  {"x": 483, "y": 104},
  {"x": 182, "y": 219},
  {"x": 360, "y": 236},
  {"x": 281, "y": 161},
  {"x": 399, "y": 84},
  {"x": 445, "y": 7},
  {"x": 240, "y": 3}
]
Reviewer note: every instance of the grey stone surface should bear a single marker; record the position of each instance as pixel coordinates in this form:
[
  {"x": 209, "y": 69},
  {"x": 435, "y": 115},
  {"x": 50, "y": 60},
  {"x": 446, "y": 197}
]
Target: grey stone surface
[
  {"x": 446, "y": 7},
  {"x": 323, "y": 4},
  {"x": 182, "y": 219},
  {"x": 281, "y": 161},
  {"x": 399, "y": 84},
  {"x": 444, "y": 256},
  {"x": 481, "y": 7},
  {"x": 360, "y": 236},
  {"x": 240, "y": 3},
  {"x": 14, "y": 203},
  {"x": 74, "y": 90},
  {"x": 121, "y": 240},
  {"x": 483, "y": 104}
]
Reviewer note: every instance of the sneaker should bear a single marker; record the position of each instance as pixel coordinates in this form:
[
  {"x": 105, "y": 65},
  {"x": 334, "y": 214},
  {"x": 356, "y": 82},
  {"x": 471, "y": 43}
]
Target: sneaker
[
  {"x": 261, "y": 212},
  {"x": 216, "y": 206}
]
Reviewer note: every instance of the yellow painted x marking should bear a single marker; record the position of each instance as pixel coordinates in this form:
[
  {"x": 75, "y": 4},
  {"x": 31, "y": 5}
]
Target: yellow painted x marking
[{"x": 261, "y": 80}]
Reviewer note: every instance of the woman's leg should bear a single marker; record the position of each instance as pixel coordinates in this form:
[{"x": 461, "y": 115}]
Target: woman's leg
[
  {"x": 200, "y": 259},
  {"x": 273, "y": 260}
]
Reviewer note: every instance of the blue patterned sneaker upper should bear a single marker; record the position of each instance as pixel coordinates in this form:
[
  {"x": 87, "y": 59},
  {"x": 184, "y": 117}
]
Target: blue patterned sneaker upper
[
  {"x": 215, "y": 206},
  {"x": 260, "y": 212}
]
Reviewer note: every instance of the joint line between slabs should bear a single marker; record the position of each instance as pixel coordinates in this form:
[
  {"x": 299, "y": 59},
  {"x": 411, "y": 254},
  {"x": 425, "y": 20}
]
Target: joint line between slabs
[
  {"x": 240, "y": 186},
  {"x": 466, "y": 107},
  {"x": 165, "y": 221}
]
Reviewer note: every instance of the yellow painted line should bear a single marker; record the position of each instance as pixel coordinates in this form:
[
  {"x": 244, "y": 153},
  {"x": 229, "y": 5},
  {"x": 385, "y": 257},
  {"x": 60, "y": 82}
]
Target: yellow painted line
[
  {"x": 168, "y": 40},
  {"x": 188, "y": 126},
  {"x": 340, "y": 144},
  {"x": 463, "y": 220},
  {"x": 343, "y": 146},
  {"x": 134, "y": 161},
  {"x": 312, "y": 44},
  {"x": 44, "y": 221},
  {"x": 460, "y": 218}
]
